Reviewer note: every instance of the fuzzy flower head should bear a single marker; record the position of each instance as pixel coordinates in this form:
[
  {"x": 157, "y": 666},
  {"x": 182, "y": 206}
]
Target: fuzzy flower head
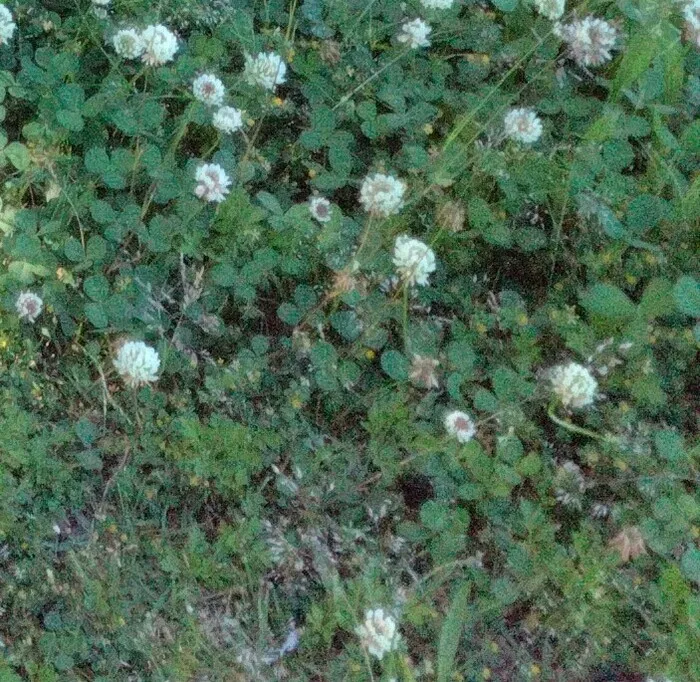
[
  {"x": 228, "y": 120},
  {"x": 414, "y": 260},
  {"x": 574, "y": 385},
  {"x": 29, "y": 306},
  {"x": 460, "y": 425},
  {"x": 437, "y": 4},
  {"x": 7, "y": 25},
  {"x": 691, "y": 14},
  {"x": 590, "y": 40},
  {"x": 137, "y": 363},
  {"x": 522, "y": 125},
  {"x": 212, "y": 182},
  {"x": 160, "y": 45},
  {"x": 569, "y": 484},
  {"x": 320, "y": 209},
  {"x": 378, "y": 633},
  {"x": 415, "y": 34},
  {"x": 382, "y": 195},
  {"x": 266, "y": 70},
  {"x": 423, "y": 372},
  {"x": 552, "y": 9},
  {"x": 208, "y": 89},
  {"x": 128, "y": 43}
]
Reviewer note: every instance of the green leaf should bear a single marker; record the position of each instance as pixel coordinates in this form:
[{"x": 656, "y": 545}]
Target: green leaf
[
  {"x": 609, "y": 301},
  {"x": 451, "y": 633},
  {"x": 74, "y": 250},
  {"x": 95, "y": 312},
  {"x": 395, "y": 365},
  {"x": 96, "y": 287},
  {"x": 690, "y": 564},
  {"x": 687, "y": 295},
  {"x": 638, "y": 54},
  {"x": 18, "y": 155}
]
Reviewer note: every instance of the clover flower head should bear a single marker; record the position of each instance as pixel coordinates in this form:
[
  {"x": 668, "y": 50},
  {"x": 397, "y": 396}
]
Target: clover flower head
[
  {"x": 382, "y": 195},
  {"x": 552, "y": 9},
  {"x": 460, "y": 425},
  {"x": 266, "y": 70},
  {"x": 160, "y": 45},
  {"x": 590, "y": 40},
  {"x": 415, "y": 34},
  {"x": 212, "y": 182},
  {"x": 437, "y": 4},
  {"x": 228, "y": 120},
  {"x": 574, "y": 385},
  {"x": 522, "y": 125},
  {"x": 29, "y": 306},
  {"x": 378, "y": 634},
  {"x": 423, "y": 371},
  {"x": 320, "y": 209},
  {"x": 128, "y": 43},
  {"x": 137, "y": 363},
  {"x": 414, "y": 260},
  {"x": 208, "y": 89},
  {"x": 7, "y": 25}
]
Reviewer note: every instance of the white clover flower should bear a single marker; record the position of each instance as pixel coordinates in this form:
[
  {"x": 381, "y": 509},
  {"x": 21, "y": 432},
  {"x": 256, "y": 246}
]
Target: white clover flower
[
  {"x": 99, "y": 8},
  {"x": 590, "y": 40},
  {"x": 552, "y": 9},
  {"x": 437, "y": 4},
  {"x": 415, "y": 34},
  {"x": 265, "y": 70},
  {"x": 523, "y": 125},
  {"x": 460, "y": 425},
  {"x": 320, "y": 209},
  {"x": 7, "y": 25},
  {"x": 137, "y": 363},
  {"x": 208, "y": 89},
  {"x": 128, "y": 43},
  {"x": 102, "y": 3},
  {"x": 160, "y": 45},
  {"x": 29, "y": 306},
  {"x": 212, "y": 182},
  {"x": 382, "y": 195},
  {"x": 378, "y": 633},
  {"x": 228, "y": 120},
  {"x": 414, "y": 260},
  {"x": 691, "y": 14},
  {"x": 574, "y": 385}
]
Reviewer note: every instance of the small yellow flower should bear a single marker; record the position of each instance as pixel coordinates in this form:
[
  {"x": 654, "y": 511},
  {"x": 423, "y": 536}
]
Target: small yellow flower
[
  {"x": 621, "y": 465},
  {"x": 522, "y": 319},
  {"x": 631, "y": 279},
  {"x": 296, "y": 402},
  {"x": 312, "y": 173},
  {"x": 486, "y": 673},
  {"x": 370, "y": 354},
  {"x": 494, "y": 647},
  {"x": 607, "y": 258},
  {"x": 277, "y": 101},
  {"x": 481, "y": 328},
  {"x": 535, "y": 670},
  {"x": 428, "y": 129},
  {"x": 650, "y": 258},
  {"x": 624, "y": 407},
  {"x": 195, "y": 480}
]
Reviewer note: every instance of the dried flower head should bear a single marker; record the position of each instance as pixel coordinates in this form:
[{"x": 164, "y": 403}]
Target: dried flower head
[
  {"x": 460, "y": 425},
  {"x": 378, "y": 633},
  {"x": 7, "y": 25},
  {"x": 569, "y": 485},
  {"x": 414, "y": 34},
  {"x": 228, "y": 120},
  {"x": 450, "y": 216},
  {"x": 212, "y": 182},
  {"x": 128, "y": 43},
  {"x": 160, "y": 45},
  {"x": 414, "y": 260},
  {"x": 629, "y": 543},
  {"x": 423, "y": 372},
  {"x": 29, "y": 306},
  {"x": 590, "y": 40},
  {"x": 330, "y": 51},
  {"x": 137, "y": 363},
  {"x": 523, "y": 125},
  {"x": 208, "y": 89},
  {"x": 382, "y": 195},
  {"x": 266, "y": 70},
  {"x": 574, "y": 385},
  {"x": 320, "y": 209}
]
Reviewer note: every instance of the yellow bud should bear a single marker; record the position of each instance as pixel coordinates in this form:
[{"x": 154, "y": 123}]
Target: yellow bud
[
  {"x": 607, "y": 258},
  {"x": 486, "y": 673},
  {"x": 624, "y": 407},
  {"x": 296, "y": 402},
  {"x": 522, "y": 319},
  {"x": 481, "y": 327},
  {"x": 622, "y": 466},
  {"x": 312, "y": 173},
  {"x": 428, "y": 129},
  {"x": 370, "y": 354},
  {"x": 535, "y": 669},
  {"x": 277, "y": 101},
  {"x": 631, "y": 279}
]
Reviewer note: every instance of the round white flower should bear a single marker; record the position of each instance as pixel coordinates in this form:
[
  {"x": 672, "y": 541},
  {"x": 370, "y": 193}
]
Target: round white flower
[
  {"x": 160, "y": 45},
  {"x": 415, "y": 34},
  {"x": 552, "y": 9},
  {"x": 265, "y": 70},
  {"x": 29, "y": 306},
  {"x": 574, "y": 385},
  {"x": 382, "y": 195},
  {"x": 102, "y": 3},
  {"x": 228, "y": 120},
  {"x": 523, "y": 125},
  {"x": 208, "y": 89},
  {"x": 7, "y": 25},
  {"x": 378, "y": 633},
  {"x": 437, "y": 4},
  {"x": 414, "y": 260},
  {"x": 128, "y": 43},
  {"x": 460, "y": 425},
  {"x": 137, "y": 363},
  {"x": 691, "y": 14},
  {"x": 212, "y": 182},
  {"x": 590, "y": 40},
  {"x": 320, "y": 209}
]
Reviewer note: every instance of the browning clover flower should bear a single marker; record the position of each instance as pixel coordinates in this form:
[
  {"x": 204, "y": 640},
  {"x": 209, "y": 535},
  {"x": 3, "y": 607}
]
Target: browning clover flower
[
  {"x": 460, "y": 425},
  {"x": 574, "y": 385},
  {"x": 137, "y": 363},
  {"x": 590, "y": 40},
  {"x": 320, "y": 208},
  {"x": 208, "y": 89},
  {"x": 29, "y": 306},
  {"x": 212, "y": 183},
  {"x": 423, "y": 372}
]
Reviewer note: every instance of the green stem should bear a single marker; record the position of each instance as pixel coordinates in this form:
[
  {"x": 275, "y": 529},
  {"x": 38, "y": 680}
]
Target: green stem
[
  {"x": 405, "y": 315},
  {"x": 570, "y": 426}
]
